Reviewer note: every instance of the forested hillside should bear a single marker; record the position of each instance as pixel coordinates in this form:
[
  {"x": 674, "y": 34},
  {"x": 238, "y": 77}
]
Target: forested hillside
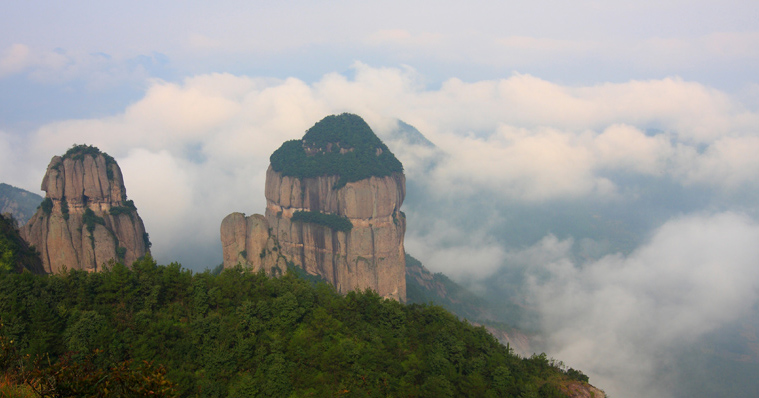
[{"x": 126, "y": 332}]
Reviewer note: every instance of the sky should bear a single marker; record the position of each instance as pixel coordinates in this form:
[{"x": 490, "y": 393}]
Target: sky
[{"x": 597, "y": 158}]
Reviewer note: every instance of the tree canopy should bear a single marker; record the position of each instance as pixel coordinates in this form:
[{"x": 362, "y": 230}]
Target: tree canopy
[
  {"x": 342, "y": 145},
  {"x": 243, "y": 334}
]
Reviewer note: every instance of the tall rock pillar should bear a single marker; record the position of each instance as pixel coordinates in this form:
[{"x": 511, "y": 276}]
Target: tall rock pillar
[
  {"x": 333, "y": 204},
  {"x": 85, "y": 220}
]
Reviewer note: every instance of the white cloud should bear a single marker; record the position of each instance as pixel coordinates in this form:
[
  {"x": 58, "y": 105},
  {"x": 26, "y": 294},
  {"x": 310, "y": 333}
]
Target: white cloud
[
  {"x": 14, "y": 60},
  {"x": 622, "y": 318},
  {"x": 458, "y": 253},
  {"x": 518, "y": 139},
  {"x": 627, "y": 148},
  {"x": 730, "y": 160},
  {"x": 97, "y": 70}
]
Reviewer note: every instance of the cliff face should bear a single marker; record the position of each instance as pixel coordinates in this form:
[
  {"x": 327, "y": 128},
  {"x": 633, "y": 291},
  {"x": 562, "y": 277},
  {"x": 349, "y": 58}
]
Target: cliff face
[
  {"x": 85, "y": 219},
  {"x": 369, "y": 255},
  {"x": 578, "y": 389},
  {"x": 333, "y": 209},
  {"x": 247, "y": 241}
]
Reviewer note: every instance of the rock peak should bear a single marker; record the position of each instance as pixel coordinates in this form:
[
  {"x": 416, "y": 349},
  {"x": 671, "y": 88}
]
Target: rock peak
[
  {"x": 85, "y": 219},
  {"x": 333, "y": 209},
  {"x": 338, "y": 145},
  {"x": 347, "y": 130}
]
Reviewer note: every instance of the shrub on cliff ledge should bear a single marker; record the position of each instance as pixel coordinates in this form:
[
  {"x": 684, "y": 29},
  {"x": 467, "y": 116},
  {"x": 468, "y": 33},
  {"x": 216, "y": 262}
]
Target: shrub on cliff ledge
[
  {"x": 47, "y": 205},
  {"x": 90, "y": 219},
  {"x": 338, "y": 223},
  {"x": 342, "y": 145}
]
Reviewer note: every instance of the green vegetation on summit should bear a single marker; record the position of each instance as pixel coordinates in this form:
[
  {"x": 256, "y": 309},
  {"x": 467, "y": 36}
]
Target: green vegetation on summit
[
  {"x": 78, "y": 152},
  {"x": 341, "y": 145}
]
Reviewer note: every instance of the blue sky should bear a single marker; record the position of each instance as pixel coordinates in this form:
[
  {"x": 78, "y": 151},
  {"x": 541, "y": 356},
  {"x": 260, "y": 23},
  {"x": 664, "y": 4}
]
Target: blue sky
[
  {"x": 592, "y": 145},
  {"x": 89, "y": 58}
]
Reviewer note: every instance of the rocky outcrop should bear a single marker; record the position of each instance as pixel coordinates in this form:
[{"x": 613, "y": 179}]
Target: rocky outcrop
[
  {"x": 368, "y": 256},
  {"x": 577, "y": 389},
  {"x": 333, "y": 209},
  {"x": 247, "y": 241},
  {"x": 85, "y": 220}
]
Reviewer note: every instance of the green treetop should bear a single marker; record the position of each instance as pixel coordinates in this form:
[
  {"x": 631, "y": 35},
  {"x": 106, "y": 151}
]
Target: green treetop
[
  {"x": 78, "y": 152},
  {"x": 342, "y": 145}
]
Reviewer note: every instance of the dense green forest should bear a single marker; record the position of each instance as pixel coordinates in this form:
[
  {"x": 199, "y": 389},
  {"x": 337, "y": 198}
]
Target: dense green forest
[
  {"x": 129, "y": 331},
  {"x": 319, "y": 152}
]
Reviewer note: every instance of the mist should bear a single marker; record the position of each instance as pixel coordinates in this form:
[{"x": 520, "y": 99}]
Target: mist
[{"x": 625, "y": 319}]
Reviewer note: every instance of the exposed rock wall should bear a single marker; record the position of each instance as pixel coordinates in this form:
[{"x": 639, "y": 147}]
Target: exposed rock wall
[
  {"x": 247, "y": 241},
  {"x": 370, "y": 255},
  {"x": 88, "y": 221},
  {"x": 577, "y": 389}
]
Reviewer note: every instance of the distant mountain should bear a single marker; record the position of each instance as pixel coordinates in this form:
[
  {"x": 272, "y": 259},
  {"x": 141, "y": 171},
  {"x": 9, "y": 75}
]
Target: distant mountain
[
  {"x": 409, "y": 134},
  {"x": 21, "y": 204},
  {"x": 423, "y": 287}
]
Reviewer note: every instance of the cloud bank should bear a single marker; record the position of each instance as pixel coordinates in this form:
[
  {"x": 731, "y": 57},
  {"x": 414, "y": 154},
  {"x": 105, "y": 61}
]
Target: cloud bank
[
  {"x": 198, "y": 149},
  {"x": 624, "y": 319}
]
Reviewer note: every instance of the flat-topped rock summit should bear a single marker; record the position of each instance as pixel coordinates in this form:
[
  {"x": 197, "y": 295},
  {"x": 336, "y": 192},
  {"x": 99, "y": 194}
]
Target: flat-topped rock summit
[
  {"x": 85, "y": 220},
  {"x": 333, "y": 209}
]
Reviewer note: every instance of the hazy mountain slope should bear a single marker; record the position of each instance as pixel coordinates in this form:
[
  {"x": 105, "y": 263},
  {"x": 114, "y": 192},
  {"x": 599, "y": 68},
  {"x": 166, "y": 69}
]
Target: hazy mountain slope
[{"x": 20, "y": 203}]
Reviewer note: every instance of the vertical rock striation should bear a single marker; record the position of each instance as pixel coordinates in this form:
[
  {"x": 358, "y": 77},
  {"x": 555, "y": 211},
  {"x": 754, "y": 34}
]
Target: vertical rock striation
[
  {"x": 333, "y": 209},
  {"x": 247, "y": 241},
  {"x": 85, "y": 220},
  {"x": 369, "y": 255}
]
